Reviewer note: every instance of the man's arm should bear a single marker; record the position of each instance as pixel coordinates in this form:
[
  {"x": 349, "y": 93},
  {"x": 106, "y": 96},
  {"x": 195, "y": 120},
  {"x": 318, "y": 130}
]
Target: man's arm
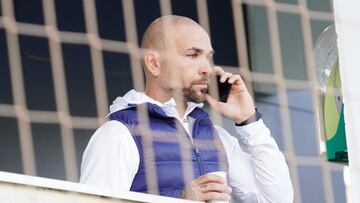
[
  {"x": 268, "y": 177},
  {"x": 111, "y": 158},
  {"x": 260, "y": 174}
]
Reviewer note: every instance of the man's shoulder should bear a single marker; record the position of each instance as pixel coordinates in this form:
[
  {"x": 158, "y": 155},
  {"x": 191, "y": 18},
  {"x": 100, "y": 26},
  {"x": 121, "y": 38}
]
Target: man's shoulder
[
  {"x": 109, "y": 133},
  {"x": 125, "y": 116},
  {"x": 113, "y": 124}
]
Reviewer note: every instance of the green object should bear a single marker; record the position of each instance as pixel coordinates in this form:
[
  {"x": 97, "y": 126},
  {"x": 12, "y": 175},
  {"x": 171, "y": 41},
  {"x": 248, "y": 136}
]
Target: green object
[
  {"x": 334, "y": 118},
  {"x": 327, "y": 69}
]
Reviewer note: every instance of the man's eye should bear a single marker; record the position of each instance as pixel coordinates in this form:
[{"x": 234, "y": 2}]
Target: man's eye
[{"x": 192, "y": 56}]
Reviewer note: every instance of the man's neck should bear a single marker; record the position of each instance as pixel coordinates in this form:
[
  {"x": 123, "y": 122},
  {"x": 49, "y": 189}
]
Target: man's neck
[
  {"x": 162, "y": 97},
  {"x": 181, "y": 108}
]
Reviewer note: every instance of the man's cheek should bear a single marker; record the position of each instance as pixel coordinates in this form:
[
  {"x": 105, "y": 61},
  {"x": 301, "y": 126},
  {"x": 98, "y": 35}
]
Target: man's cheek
[{"x": 188, "y": 82}]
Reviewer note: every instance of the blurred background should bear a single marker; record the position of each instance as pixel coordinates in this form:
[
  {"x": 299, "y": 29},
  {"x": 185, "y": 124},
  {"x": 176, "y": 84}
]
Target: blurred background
[{"x": 62, "y": 63}]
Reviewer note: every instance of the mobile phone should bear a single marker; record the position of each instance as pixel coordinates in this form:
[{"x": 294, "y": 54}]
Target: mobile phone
[{"x": 223, "y": 89}]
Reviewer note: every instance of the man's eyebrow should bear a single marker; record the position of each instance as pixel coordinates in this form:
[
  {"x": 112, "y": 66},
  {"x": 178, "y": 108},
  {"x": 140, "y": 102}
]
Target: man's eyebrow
[{"x": 199, "y": 50}]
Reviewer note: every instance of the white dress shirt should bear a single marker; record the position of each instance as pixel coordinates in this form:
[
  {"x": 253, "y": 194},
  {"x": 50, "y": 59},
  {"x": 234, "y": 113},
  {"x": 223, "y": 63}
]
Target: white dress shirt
[{"x": 257, "y": 171}]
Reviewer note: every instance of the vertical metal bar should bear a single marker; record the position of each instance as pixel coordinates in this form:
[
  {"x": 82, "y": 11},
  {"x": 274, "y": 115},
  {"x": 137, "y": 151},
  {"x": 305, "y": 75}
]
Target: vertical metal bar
[
  {"x": 310, "y": 64},
  {"x": 165, "y": 7},
  {"x": 17, "y": 82},
  {"x": 282, "y": 90},
  {"x": 188, "y": 172},
  {"x": 203, "y": 14},
  {"x": 96, "y": 59},
  {"x": 138, "y": 81},
  {"x": 242, "y": 49},
  {"x": 61, "y": 97}
]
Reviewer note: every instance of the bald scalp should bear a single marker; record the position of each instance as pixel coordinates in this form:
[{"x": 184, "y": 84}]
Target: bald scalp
[{"x": 163, "y": 31}]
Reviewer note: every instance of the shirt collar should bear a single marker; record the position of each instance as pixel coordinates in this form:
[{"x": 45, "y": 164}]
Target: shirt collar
[{"x": 170, "y": 105}]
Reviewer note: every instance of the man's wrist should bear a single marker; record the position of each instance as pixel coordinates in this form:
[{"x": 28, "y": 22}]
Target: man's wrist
[{"x": 253, "y": 118}]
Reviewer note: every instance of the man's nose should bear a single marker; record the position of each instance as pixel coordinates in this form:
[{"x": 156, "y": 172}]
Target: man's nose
[{"x": 206, "y": 66}]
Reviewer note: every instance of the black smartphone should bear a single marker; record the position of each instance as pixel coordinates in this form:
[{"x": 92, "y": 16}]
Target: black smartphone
[{"x": 224, "y": 89}]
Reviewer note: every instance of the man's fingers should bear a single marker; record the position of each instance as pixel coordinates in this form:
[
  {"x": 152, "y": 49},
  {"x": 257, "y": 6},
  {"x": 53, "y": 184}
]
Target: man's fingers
[
  {"x": 213, "y": 102},
  {"x": 208, "y": 187},
  {"x": 234, "y": 78},
  {"x": 215, "y": 187},
  {"x": 209, "y": 178},
  {"x": 218, "y": 70},
  {"x": 215, "y": 196},
  {"x": 225, "y": 76}
]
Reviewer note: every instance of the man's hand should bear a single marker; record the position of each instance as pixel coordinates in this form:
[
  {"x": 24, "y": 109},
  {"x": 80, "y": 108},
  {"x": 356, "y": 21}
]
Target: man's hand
[
  {"x": 239, "y": 105},
  {"x": 207, "y": 187}
]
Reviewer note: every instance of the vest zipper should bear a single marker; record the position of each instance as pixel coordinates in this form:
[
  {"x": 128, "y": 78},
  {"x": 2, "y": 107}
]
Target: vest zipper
[
  {"x": 199, "y": 160},
  {"x": 197, "y": 153}
]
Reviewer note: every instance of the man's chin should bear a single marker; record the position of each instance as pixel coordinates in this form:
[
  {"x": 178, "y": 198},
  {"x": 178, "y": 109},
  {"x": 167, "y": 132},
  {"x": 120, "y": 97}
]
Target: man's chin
[
  {"x": 197, "y": 97},
  {"x": 194, "y": 94}
]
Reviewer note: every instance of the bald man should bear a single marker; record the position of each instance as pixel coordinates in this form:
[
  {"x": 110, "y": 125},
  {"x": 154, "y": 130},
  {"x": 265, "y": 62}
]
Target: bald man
[{"x": 181, "y": 146}]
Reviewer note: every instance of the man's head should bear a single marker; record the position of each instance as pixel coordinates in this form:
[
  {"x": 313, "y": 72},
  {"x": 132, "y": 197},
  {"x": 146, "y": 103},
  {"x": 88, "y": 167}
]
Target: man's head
[{"x": 177, "y": 57}]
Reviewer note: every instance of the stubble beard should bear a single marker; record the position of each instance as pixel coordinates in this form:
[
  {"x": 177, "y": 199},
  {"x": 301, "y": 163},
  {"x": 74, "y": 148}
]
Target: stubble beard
[{"x": 191, "y": 94}]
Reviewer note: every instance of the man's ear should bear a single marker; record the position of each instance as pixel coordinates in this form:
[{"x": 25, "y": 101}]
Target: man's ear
[{"x": 152, "y": 62}]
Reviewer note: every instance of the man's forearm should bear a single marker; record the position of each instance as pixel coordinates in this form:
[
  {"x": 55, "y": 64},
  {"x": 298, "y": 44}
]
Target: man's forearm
[{"x": 271, "y": 172}]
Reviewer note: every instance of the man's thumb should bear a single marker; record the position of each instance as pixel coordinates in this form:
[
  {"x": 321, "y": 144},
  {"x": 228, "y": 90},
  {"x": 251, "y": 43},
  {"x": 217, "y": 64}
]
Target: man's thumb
[{"x": 213, "y": 102}]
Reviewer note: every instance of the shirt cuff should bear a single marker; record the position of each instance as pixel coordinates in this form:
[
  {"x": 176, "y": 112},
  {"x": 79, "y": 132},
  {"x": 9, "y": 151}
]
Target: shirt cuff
[{"x": 255, "y": 133}]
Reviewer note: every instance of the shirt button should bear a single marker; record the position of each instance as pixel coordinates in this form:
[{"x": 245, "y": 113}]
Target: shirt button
[{"x": 185, "y": 120}]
